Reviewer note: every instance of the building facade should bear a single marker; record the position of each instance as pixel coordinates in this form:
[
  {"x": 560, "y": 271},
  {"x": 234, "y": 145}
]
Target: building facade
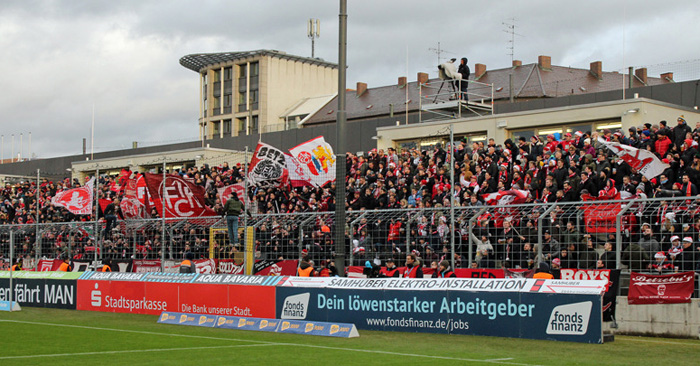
[{"x": 253, "y": 92}]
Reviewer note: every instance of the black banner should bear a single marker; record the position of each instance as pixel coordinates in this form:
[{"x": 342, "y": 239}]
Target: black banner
[{"x": 44, "y": 293}]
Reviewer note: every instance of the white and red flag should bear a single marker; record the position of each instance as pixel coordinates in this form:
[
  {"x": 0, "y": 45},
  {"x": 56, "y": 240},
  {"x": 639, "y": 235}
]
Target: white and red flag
[
  {"x": 645, "y": 162},
  {"x": 297, "y": 175},
  {"x": 77, "y": 200},
  {"x": 131, "y": 206},
  {"x": 316, "y": 159}
]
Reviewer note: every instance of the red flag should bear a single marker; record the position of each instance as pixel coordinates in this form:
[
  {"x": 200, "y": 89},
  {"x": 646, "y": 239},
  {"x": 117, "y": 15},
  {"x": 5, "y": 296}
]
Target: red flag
[
  {"x": 666, "y": 289},
  {"x": 182, "y": 198},
  {"x": 77, "y": 200},
  {"x": 131, "y": 206},
  {"x": 505, "y": 198},
  {"x": 225, "y": 192}
]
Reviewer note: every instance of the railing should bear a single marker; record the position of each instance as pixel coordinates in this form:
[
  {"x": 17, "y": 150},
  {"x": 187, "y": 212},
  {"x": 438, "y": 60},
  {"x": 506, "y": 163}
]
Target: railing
[
  {"x": 445, "y": 99},
  {"x": 589, "y": 235}
]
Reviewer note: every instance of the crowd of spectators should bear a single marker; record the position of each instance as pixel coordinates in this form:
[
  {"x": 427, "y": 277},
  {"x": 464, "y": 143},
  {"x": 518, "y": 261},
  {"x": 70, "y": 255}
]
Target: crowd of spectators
[{"x": 568, "y": 168}]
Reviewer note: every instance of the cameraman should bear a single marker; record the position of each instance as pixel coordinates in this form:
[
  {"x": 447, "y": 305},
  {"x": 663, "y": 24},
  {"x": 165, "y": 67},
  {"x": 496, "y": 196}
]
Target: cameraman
[{"x": 464, "y": 83}]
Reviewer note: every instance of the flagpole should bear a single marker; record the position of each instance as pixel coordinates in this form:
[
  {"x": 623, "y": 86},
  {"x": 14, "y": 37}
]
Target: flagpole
[
  {"x": 245, "y": 215},
  {"x": 92, "y": 137},
  {"x": 38, "y": 194},
  {"x": 12, "y": 253},
  {"x": 97, "y": 205}
]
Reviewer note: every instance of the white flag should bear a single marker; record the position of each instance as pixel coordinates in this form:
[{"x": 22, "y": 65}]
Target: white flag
[
  {"x": 643, "y": 161},
  {"x": 316, "y": 160}
]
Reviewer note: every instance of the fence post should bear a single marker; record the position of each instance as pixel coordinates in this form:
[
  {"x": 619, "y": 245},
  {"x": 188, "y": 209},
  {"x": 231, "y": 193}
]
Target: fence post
[
  {"x": 618, "y": 236},
  {"x": 540, "y": 231},
  {"x": 471, "y": 233},
  {"x": 12, "y": 253}
]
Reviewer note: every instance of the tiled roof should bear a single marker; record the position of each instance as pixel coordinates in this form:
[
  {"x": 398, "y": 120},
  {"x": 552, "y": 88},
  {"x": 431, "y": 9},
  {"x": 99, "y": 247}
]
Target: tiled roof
[{"x": 529, "y": 81}]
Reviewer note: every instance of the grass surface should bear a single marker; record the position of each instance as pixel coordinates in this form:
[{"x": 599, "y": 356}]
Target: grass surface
[{"x": 36, "y": 336}]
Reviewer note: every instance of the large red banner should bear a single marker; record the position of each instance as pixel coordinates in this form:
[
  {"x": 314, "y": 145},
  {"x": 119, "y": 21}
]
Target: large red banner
[
  {"x": 156, "y": 297},
  {"x": 182, "y": 198},
  {"x": 665, "y": 289}
]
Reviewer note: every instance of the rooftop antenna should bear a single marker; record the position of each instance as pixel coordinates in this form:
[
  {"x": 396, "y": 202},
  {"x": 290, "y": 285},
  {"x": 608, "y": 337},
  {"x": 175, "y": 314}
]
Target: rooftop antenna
[
  {"x": 510, "y": 29},
  {"x": 439, "y": 51},
  {"x": 313, "y": 30}
]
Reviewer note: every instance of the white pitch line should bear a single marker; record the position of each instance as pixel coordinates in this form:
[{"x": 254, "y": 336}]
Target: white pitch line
[
  {"x": 132, "y": 351},
  {"x": 492, "y": 361}
]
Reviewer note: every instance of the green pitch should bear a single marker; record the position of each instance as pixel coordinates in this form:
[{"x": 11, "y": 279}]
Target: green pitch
[{"x": 37, "y": 336}]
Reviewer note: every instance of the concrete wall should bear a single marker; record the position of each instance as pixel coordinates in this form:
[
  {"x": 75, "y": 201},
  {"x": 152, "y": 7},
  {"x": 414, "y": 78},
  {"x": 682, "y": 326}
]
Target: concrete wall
[{"x": 668, "y": 320}]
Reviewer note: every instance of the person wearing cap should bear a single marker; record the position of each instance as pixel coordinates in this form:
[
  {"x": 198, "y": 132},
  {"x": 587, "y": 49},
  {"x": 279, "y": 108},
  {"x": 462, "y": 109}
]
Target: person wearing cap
[
  {"x": 306, "y": 268},
  {"x": 233, "y": 209},
  {"x": 66, "y": 266},
  {"x": 661, "y": 264},
  {"x": 187, "y": 265},
  {"x": 680, "y": 131},
  {"x": 443, "y": 270},
  {"x": 390, "y": 269},
  {"x": 543, "y": 272},
  {"x": 412, "y": 269},
  {"x": 688, "y": 259}
]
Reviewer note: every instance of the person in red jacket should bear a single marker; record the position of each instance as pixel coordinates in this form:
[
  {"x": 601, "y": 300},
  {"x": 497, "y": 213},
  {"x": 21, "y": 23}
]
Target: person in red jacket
[
  {"x": 390, "y": 270},
  {"x": 412, "y": 269},
  {"x": 662, "y": 145}
]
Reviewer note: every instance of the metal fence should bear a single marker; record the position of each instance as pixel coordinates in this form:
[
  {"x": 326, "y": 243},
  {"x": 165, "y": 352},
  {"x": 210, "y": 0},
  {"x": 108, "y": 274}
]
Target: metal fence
[{"x": 652, "y": 235}]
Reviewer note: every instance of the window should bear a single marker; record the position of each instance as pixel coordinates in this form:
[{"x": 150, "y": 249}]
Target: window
[
  {"x": 254, "y": 125},
  {"x": 242, "y": 102},
  {"x": 227, "y": 127},
  {"x": 217, "y": 102},
  {"x": 227, "y": 100},
  {"x": 253, "y": 96},
  {"x": 228, "y": 73},
  {"x": 217, "y": 75},
  {"x": 241, "y": 123},
  {"x": 215, "y": 128},
  {"x": 254, "y": 69},
  {"x": 242, "y": 71}
]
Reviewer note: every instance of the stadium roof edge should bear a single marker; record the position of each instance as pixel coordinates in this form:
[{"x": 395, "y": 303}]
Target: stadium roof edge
[{"x": 199, "y": 61}]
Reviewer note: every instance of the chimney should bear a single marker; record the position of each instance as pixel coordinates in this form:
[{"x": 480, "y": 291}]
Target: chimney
[
  {"x": 517, "y": 63},
  {"x": 479, "y": 71},
  {"x": 361, "y": 89},
  {"x": 641, "y": 75},
  {"x": 597, "y": 69},
  {"x": 544, "y": 62},
  {"x": 667, "y": 77},
  {"x": 402, "y": 81},
  {"x": 422, "y": 77}
]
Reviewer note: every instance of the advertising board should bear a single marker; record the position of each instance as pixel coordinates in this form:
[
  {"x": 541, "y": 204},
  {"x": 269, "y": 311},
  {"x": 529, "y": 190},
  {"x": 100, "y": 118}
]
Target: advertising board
[
  {"x": 44, "y": 292},
  {"x": 564, "y": 317},
  {"x": 145, "y": 297}
]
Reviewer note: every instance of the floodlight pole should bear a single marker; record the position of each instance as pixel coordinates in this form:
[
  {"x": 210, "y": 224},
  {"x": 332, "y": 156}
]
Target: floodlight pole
[
  {"x": 452, "y": 195},
  {"x": 340, "y": 143}
]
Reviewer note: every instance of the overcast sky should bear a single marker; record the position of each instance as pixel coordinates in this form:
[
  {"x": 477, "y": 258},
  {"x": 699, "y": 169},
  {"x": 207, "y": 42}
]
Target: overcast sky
[{"x": 59, "y": 58}]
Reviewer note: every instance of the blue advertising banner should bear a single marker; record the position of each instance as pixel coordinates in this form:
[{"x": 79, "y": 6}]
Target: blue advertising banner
[
  {"x": 187, "y": 319},
  {"x": 564, "y": 317},
  {"x": 259, "y": 324}
]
